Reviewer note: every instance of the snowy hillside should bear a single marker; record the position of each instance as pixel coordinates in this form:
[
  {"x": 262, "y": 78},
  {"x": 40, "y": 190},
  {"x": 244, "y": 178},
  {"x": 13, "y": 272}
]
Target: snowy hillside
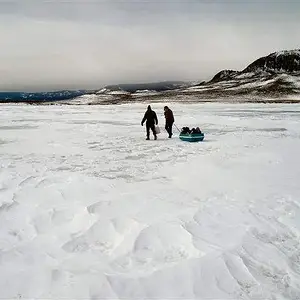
[
  {"x": 91, "y": 210},
  {"x": 278, "y": 62},
  {"x": 250, "y": 84},
  {"x": 274, "y": 77},
  {"x": 247, "y": 87},
  {"x": 138, "y": 87}
]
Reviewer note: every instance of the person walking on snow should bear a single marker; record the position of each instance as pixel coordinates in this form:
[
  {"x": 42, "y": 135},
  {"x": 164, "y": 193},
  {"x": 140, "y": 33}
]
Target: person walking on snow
[
  {"x": 169, "y": 120},
  {"x": 151, "y": 120}
]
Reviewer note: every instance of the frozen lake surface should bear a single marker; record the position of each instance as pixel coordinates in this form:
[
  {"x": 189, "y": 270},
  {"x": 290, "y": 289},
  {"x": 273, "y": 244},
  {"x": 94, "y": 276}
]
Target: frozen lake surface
[{"x": 91, "y": 210}]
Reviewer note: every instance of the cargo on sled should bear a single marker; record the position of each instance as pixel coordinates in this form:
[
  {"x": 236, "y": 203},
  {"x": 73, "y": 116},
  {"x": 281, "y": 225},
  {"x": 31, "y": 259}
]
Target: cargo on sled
[{"x": 193, "y": 135}]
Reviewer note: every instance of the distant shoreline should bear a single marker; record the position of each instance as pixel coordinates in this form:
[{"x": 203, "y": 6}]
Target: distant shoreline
[{"x": 142, "y": 101}]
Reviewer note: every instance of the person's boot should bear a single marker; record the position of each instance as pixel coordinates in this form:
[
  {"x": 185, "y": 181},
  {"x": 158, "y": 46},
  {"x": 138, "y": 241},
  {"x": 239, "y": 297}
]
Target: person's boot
[
  {"x": 155, "y": 137},
  {"x": 147, "y": 138}
]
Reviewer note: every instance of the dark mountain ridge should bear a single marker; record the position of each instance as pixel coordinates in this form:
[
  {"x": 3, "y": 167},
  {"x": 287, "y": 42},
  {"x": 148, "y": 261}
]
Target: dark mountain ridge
[
  {"x": 153, "y": 86},
  {"x": 282, "y": 62},
  {"x": 287, "y": 61}
]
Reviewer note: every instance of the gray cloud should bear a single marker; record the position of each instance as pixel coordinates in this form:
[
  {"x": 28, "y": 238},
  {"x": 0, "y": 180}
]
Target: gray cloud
[{"x": 73, "y": 44}]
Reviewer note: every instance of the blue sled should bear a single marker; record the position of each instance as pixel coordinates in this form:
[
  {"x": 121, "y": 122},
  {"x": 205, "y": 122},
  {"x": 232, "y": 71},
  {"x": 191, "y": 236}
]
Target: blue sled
[{"x": 196, "y": 137}]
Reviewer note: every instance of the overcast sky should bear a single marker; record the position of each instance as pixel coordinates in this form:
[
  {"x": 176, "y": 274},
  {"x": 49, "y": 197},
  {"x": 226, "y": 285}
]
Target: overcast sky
[{"x": 87, "y": 44}]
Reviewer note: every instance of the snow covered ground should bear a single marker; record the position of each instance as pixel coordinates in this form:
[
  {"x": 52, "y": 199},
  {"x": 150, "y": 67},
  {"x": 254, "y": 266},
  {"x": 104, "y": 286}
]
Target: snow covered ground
[{"x": 91, "y": 210}]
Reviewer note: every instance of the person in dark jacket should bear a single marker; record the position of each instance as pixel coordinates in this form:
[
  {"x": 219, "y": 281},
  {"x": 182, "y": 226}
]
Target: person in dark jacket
[
  {"x": 151, "y": 120},
  {"x": 169, "y": 120}
]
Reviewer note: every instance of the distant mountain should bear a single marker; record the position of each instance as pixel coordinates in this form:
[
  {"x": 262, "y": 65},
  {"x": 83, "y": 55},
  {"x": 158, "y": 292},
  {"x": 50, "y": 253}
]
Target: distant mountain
[
  {"x": 287, "y": 62},
  {"x": 135, "y": 87},
  {"x": 39, "y": 96},
  {"x": 224, "y": 75},
  {"x": 277, "y": 63},
  {"x": 275, "y": 76}
]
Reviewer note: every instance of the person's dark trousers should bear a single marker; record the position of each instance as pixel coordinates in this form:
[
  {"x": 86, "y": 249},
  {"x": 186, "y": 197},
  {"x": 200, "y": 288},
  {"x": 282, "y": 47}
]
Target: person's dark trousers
[
  {"x": 152, "y": 127},
  {"x": 168, "y": 127}
]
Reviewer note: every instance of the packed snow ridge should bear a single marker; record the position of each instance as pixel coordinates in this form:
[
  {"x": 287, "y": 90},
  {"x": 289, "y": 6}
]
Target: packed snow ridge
[{"x": 91, "y": 210}]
